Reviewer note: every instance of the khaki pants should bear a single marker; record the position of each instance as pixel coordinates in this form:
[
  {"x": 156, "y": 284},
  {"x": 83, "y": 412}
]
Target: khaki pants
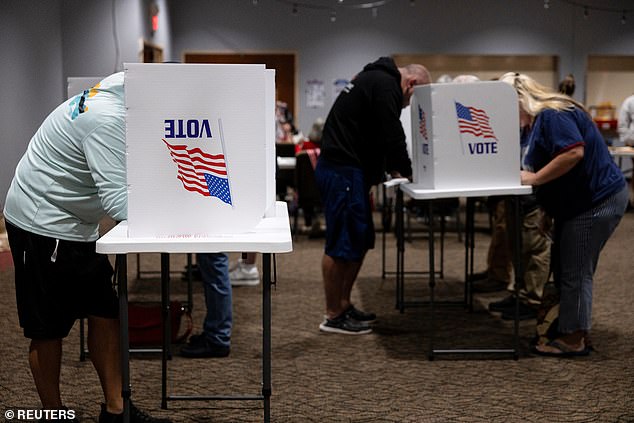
[{"x": 535, "y": 253}]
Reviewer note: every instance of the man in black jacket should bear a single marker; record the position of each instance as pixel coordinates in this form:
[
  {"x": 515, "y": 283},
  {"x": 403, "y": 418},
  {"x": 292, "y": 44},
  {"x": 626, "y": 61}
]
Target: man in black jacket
[{"x": 362, "y": 140}]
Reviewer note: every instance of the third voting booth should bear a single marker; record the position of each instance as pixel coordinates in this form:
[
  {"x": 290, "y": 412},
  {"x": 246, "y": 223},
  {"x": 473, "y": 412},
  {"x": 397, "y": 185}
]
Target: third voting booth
[
  {"x": 465, "y": 136},
  {"x": 200, "y": 148}
]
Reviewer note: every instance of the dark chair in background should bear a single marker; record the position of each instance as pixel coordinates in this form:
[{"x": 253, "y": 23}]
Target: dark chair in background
[
  {"x": 284, "y": 178},
  {"x": 308, "y": 198}
]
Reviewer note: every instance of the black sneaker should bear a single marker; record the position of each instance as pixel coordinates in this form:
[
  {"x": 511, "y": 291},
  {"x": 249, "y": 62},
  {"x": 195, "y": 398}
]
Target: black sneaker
[
  {"x": 200, "y": 347},
  {"x": 344, "y": 324},
  {"x": 197, "y": 339},
  {"x": 360, "y": 316},
  {"x": 500, "y": 306},
  {"x": 136, "y": 416}
]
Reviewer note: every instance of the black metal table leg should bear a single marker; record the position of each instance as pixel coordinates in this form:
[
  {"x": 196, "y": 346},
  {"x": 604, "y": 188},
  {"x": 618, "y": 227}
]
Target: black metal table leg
[
  {"x": 266, "y": 335},
  {"x": 165, "y": 310},
  {"x": 432, "y": 280},
  {"x": 400, "y": 252},
  {"x": 516, "y": 225},
  {"x": 122, "y": 287}
]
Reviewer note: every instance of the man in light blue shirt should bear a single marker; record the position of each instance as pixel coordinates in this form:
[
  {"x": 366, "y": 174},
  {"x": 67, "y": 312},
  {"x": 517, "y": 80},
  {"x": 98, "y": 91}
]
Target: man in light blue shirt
[{"x": 71, "y": 176}]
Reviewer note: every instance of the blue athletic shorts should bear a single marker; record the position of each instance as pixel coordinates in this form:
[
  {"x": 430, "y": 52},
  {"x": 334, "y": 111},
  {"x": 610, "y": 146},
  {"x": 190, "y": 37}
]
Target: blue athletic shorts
[
  {"x": 57, "y": 282},
  {"x": 346, "y": 203}
]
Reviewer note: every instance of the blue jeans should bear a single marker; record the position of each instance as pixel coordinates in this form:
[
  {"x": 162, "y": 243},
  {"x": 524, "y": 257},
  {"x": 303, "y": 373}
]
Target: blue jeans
[{"x": 214, "y": 269}]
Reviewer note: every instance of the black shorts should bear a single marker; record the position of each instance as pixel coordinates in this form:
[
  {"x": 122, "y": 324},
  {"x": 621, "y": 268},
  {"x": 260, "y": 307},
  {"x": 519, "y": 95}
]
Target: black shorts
[
  {"x": 346, "y": 204},
  {"x": 57, "y": 282}
]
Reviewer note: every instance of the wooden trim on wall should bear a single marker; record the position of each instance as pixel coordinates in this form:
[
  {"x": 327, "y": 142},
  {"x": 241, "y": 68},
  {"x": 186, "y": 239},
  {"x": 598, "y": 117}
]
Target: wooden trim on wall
[
  {"x": 598, "y": 63},
  {"x": 480, "y": 62}
]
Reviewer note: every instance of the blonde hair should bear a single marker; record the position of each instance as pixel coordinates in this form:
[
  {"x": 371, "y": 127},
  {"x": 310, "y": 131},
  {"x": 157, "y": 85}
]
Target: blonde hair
[{"x": 534, "y": 97}]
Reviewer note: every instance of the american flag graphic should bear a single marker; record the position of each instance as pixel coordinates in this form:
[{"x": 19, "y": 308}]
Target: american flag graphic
[
  {"x": 201, "y": 172},
  {"x": 474, "y": 121},
  {"x": 422, "y": 126}
]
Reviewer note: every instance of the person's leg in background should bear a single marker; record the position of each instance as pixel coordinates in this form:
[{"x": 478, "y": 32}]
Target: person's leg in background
[
  {"x": 497, "y": 276},
  {"x": 215, "y": 339},
  {"x": 535, "y": 256},
  {"x": 499, "y": 259},
  {"x": 245, "y": 271}
]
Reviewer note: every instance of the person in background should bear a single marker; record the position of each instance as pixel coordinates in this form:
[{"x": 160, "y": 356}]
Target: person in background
[
  {"x": 314, "y": 136},
  {"x": 567, "y": 85},
  {"x": 579, "y": 185},
  {"x": 71, "y": 176},
  {"x": 307, "y": 194},
  {"x": 626, "y": 133},
  {"x": 215, "y": 338},
  {"x": 534, "y": 255},
  {"x": 285, "y": 129},
  {"x": 362, "y": 140}
]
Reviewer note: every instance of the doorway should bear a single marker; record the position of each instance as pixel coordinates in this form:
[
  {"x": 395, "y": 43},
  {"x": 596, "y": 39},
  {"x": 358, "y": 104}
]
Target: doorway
[{"x": 283, "y": 63}]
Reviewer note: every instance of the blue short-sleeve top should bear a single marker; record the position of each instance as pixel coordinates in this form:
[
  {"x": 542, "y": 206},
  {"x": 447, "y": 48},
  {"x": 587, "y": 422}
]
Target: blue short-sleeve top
[{"x": 591, "y": 181}]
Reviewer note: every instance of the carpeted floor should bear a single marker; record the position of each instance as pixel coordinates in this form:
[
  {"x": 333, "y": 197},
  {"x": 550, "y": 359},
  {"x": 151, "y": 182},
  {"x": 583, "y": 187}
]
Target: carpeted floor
[{"x": 382, "y": 377}]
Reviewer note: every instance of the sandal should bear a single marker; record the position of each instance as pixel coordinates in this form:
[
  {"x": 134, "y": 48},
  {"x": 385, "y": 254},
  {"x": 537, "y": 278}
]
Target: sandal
[{"x": 558, "y": 348}]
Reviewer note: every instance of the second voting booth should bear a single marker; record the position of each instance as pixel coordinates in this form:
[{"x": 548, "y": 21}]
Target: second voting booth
[
  {"x": 465, "y": 136},
  {"x": 465, "y": 143}
]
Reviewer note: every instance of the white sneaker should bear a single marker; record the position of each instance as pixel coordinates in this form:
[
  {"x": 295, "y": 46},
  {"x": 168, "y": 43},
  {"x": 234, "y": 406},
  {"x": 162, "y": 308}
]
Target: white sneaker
[
  {"x": 235, "y": 265},
  {"x": 244, "y": 275}
]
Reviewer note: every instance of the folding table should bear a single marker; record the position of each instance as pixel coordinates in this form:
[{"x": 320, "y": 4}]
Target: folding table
[
  {"x": 272, "y": 235},
  {"x": 513, "y": 193}
]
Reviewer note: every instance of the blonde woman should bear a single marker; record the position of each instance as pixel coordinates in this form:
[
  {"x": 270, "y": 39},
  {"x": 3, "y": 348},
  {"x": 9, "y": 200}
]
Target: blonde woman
[{"x": 578, "y": 184}]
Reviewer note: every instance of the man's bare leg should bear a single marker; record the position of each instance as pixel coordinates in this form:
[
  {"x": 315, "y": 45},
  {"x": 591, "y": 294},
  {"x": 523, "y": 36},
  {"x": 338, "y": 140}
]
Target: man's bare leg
[
  {"x": 45, "y": 359},
  {"x": 103, "y": 343}
]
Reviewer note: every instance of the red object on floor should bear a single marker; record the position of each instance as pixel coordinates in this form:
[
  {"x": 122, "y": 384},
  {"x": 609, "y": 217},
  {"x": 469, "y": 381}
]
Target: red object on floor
[{"x": 6, "y": 261}]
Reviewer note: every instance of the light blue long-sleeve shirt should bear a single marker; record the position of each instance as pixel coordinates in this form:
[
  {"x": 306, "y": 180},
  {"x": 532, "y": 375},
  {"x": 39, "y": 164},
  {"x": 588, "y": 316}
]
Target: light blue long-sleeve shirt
[{"x": 73, "y": 172}]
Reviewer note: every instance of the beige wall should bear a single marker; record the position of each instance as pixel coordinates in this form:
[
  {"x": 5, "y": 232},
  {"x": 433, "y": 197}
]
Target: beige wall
[
  {"x": 609, "y": 79},
  {"x": 543, "y": 68},
  {"x": 612, "y": 87}
]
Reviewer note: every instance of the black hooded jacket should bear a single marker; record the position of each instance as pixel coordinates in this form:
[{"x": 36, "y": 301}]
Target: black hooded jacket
[{"x": 363, "y": 128}]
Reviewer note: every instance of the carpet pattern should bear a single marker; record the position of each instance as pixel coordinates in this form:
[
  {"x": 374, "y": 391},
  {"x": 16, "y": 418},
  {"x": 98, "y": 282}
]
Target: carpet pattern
[{"x": 381, "y": 377}]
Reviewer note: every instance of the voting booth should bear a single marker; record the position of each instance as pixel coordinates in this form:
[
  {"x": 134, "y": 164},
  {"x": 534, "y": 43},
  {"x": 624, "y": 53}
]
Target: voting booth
[
  {"x": 465, "y": 136},
  {"x": 200, "y": 142}
]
